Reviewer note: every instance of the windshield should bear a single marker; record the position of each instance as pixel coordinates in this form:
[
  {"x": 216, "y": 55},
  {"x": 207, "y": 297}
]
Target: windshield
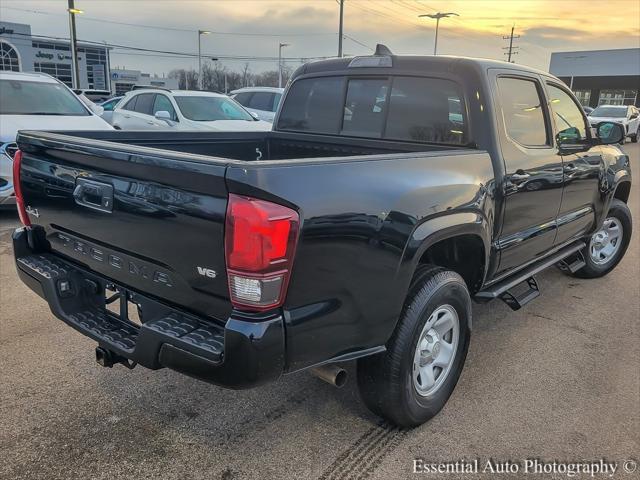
[
  {"x": 210, "y": 109},
  {"x": 19, "y": 97},
  {"x": 609, "y": 112}
]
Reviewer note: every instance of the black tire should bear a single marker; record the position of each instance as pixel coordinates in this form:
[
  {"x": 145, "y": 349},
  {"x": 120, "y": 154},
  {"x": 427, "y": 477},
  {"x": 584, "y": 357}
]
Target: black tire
[
  {"x": 386, "y": 380},
  {"x": 621, "y": 212},
  {"x": 634, "y": 137}
]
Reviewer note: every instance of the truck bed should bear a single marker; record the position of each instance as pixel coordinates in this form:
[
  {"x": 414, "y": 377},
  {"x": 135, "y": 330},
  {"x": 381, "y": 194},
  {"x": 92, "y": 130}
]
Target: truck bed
[
  {"x": 166, "y": 222},
  {"x": 271, "y": 145}
]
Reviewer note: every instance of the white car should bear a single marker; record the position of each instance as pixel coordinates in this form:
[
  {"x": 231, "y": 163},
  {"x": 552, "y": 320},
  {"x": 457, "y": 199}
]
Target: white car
[
  {"x": 36, "y": 101},
  {"x": 626, "y": 115},
  {"x": 159, "y": 109},
  {"x": 264, "y": 101}
]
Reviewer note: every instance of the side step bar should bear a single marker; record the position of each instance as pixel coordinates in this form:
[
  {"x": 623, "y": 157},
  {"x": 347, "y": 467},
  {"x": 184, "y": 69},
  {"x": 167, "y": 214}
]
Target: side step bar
[{"x": 569, "y": 256}]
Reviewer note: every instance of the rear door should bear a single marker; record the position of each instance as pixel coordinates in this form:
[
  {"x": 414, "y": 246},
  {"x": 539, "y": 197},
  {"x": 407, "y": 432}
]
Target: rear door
[
  {"x": 150, "y": 220},
  {"x": 533, "y": 169}
]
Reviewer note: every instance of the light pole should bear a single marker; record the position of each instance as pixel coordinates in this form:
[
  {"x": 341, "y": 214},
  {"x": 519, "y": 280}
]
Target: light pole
[
  {"x": 73, "y": 11},
  {"x": 438, "y": 16},
  {"x": 340, "y": 28},
  {"x": 280, "y": 62},
  {"x": 200, "y": 33}
]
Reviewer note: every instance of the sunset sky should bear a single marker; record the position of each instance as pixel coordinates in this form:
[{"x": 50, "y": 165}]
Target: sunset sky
[{"x": 311, "y": 27}]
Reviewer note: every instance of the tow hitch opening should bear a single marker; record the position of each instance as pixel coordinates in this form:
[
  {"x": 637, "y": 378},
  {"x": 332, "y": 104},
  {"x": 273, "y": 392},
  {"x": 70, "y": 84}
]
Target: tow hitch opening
[{"x": 107, "y": 358}]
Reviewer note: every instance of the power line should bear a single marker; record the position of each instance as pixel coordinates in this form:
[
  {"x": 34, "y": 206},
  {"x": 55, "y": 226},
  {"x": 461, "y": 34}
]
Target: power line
[
  {"x": 175, "y": 29},
  {"x": 169, "y": 52}
]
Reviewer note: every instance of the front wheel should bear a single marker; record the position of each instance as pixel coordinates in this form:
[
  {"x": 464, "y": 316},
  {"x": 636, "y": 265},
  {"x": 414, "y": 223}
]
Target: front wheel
[
  {"x": 634, "y": 137},
  {"x": 608, "y": 245},
  {"x": 410, "y": 382}
]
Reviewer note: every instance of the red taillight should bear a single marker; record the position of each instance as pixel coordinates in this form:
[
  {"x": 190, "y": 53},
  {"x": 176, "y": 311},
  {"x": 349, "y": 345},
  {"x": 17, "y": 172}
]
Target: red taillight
[
  {"x": 17, "y": 190},
  {"x": 260, "y": 241}
]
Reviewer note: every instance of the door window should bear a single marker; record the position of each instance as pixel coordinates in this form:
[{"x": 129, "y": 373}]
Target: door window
[
  {"x": 243, "y": 98},
  {"x": 131, "y": 104},
  {"x": 567, "y": 116},
  {"x": 522, "y": 111},
  {"x": 262, "y": 101},
  {"x": 161, "y": 103},
  {"x": 145, "y": 103}
]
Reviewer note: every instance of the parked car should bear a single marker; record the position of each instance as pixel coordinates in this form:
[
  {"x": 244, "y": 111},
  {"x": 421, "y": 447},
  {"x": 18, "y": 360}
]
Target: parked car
[
  {"x": 626, "y": 115},
  {"x": 361, "y": 235},
  {"x": 108, "y": 107},
  {"x": 263, "y": 101},
  {"x": 36, "y": 101},
  {"x": 159, "y": 109}
]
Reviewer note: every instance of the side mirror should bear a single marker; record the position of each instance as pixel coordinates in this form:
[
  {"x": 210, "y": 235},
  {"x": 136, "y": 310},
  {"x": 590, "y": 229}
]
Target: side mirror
[
  {"x": 609, "y": 132},
  {"x": 633, "y": 116},
  {"x": 163, "y": 115},
  {"x": 97, "y": 109},
  {"x": 254, "y": 115}
]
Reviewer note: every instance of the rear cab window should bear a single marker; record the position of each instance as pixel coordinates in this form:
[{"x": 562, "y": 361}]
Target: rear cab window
[{"x": 415, "y": 109}]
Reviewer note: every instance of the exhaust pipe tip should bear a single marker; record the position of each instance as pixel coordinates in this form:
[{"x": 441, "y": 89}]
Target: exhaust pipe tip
[{"x": 332, "y": 374}]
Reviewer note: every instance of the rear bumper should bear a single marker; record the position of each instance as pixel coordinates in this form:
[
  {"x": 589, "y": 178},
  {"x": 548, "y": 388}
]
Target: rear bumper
[{"x": 240, "y": 354}]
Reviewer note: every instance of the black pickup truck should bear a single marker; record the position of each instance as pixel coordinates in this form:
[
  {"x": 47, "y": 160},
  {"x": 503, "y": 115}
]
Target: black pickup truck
[{"x": 392, "y": 191}]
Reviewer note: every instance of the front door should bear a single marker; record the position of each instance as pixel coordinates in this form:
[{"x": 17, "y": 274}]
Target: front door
[
  {"x": 582, "y": 165},
  {"x": 533, "y": 170}
]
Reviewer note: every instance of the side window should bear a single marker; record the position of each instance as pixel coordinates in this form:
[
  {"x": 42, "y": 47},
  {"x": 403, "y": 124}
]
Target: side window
[
  {"x": 522, "y": 111},
  {"x": 145, "y": 103},
  {"x": 131, "y": 104},
  {"x": 426, "y": 110},
  {"x": 243, "y": 98},
  {"x": 262, "y": 101},
  {"x": 162, "y": 102},
  {"x": 567, "y": 115},
  {"x": 365, "y": 107},
  {"x": 276, "y": 102}
]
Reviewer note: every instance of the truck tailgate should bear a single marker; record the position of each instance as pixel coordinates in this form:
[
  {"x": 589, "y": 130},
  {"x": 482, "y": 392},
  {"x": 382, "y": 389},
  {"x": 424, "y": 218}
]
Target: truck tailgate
[{"x": 150, "y": 220}]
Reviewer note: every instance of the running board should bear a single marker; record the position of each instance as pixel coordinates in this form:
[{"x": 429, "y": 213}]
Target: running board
[
  {"x": 503, "y": 289},
  {"x": 572, "y": 263}
]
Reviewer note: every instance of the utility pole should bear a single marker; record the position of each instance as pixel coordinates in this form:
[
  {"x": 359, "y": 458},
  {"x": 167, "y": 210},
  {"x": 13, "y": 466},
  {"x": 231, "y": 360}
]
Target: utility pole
[
  {"x": 511, "y": 50},
  {"x": 280, "y": 62},
  {"x": 75, "y": 76},
  {"x": 438, "y": 16},
  {"x": 340, "y": 27}
]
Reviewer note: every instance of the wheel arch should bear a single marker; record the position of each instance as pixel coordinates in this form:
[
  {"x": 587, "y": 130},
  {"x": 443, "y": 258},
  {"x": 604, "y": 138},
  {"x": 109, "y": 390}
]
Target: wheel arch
[{"x": 459, "y": 242}]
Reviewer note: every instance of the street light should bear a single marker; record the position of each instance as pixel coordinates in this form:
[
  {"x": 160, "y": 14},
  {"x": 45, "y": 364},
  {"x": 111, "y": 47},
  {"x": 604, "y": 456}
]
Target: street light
[
  {"x": 438, "y": 16},
  {"x": 280, "y": 62},
  {"x": 73, "y": 11},
  {"x": 200, "y": 33}
]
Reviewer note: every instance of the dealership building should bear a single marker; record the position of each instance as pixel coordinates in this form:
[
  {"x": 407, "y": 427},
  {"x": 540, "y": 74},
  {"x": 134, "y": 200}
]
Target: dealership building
[
  {"x": 600, "y": 77},
  {"x": 20, "y": 51}
]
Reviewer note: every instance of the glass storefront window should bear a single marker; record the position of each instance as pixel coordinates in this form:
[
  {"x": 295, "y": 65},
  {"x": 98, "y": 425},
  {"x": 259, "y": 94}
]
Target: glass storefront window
[
  {"x": 583, "y": 96},
  {"x": 617, "y": 97}
]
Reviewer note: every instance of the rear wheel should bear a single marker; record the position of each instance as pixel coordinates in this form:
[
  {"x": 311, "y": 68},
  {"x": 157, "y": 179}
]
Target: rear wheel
[
  {"x": 410, "y": 382},
  {"x": 608, "y": 245},
  {"x": 634, "y": 137}
]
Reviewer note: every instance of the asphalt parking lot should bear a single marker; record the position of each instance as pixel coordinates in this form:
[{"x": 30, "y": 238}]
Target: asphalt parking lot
[{"x": 557, "y": 380}]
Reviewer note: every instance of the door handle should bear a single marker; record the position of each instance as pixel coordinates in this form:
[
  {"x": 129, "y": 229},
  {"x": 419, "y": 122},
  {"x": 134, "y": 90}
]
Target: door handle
[
  {"x": 150, "y": 123},
  {"x": 94, "y": 195},
  {"x": 519, "y": 177},
  {"x": 127, "y": 116}
]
